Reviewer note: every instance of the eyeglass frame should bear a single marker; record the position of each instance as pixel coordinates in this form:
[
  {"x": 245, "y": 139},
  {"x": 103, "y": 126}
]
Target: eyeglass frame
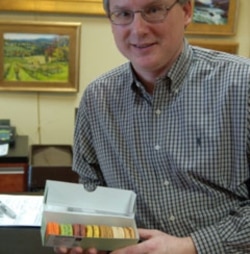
[{"x": 142, "y": 12}]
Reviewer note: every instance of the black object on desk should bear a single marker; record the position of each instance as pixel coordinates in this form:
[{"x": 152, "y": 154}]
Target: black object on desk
[
  {"x": 7, "y": 132},
  {"x": 22, "y": 240},
  {"x": 18, "y": 152}
]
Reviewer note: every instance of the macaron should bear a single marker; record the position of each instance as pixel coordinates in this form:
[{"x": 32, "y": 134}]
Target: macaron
[
  {"x": 118, "y": 232},
  {"x": 96, "y": 231},
  {"x": 131, "y": 232},
  {"x": 79, "y": 230},
  {"x": 66, "y": 230},
  {"x": 89, "y": 231},
  {"x": 126, "y": 233},
  {"x": 52, "y": 228},
  {"x": 106, "y": 231}
]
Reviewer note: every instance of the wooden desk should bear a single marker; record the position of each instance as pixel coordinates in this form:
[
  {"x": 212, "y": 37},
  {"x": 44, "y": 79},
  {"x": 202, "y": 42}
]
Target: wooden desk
[{"x": 14, "y": 167}]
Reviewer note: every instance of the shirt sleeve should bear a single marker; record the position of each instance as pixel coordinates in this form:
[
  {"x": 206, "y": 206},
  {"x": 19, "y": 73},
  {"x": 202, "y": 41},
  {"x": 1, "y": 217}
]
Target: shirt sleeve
[
  {"x": 85, "y": 161},
  {"x": 248, "y": 126},
  {"x": 231, "y": 235}
]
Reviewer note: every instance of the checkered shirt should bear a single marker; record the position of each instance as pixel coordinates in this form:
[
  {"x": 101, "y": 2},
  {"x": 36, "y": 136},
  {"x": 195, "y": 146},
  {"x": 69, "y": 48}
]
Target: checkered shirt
[{"x": 182, "y": 150}]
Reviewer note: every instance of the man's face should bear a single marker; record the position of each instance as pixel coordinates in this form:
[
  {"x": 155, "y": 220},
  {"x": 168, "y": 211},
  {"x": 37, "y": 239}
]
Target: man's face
[{"x": 151, "y": 47}]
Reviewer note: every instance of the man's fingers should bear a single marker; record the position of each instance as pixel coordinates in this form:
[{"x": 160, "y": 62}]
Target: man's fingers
[
  {"x": 62, "y": 250},
  {"x": 145, "y": 234}
]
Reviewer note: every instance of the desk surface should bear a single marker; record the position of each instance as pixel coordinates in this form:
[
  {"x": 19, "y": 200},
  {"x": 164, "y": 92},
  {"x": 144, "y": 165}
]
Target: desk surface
[{"x": 22, "y": 240}]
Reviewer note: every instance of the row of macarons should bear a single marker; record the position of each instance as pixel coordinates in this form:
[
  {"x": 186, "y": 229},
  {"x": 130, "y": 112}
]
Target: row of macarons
[{"x": 92, "y": 231}]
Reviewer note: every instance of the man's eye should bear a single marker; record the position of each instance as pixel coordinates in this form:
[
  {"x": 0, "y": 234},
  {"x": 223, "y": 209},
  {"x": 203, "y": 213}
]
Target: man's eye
[
  {"x": 154, "y": 10},
  {"x": 123, "y": 14}
]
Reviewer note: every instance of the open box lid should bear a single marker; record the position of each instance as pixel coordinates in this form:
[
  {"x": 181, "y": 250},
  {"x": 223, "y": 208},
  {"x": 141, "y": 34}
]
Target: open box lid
[{"x": 72, "y": 197}]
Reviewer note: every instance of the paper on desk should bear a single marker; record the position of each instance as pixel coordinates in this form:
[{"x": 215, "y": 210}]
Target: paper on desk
[
  {"x": 4, "y": 148},
  {"x": 28, "y": 210}
]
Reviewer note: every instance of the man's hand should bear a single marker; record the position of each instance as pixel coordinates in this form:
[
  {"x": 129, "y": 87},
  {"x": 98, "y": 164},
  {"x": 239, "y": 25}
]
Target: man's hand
[
  {"x": 157, "y": 242},
  {"x": 77, "y": 250},
  {"x": 153, "y": 242}
]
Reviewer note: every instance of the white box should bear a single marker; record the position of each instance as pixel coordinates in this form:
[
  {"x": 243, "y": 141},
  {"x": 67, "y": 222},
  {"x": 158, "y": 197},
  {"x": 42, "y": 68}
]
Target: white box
[{"x": 70, "y": 203}]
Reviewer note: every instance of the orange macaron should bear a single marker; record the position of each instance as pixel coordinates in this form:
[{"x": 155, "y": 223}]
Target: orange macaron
[
  {"x": 53, "y": 228},
  {"x": 106, "y": 231}
]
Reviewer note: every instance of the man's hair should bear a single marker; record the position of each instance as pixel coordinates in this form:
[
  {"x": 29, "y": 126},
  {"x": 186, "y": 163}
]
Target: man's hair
[{"x": 106, "y": 4}]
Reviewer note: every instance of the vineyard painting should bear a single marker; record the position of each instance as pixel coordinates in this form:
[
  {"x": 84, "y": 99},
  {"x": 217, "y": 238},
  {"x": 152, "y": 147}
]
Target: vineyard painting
[
  {"x": 39, "y": 57},
  {"x": 36, "y": 57}
]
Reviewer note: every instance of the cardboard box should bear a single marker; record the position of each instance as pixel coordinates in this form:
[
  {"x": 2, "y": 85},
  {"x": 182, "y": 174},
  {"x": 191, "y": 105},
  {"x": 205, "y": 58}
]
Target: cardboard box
[
  {"x": 50, "y": 162},
  {"x": 70, "y": 203}
]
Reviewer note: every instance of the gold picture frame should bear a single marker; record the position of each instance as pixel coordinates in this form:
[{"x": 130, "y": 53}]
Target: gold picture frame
[
  {"x": 93, "y": 7},
  {"x": 225, "y": 46},
  {"x": 218, "y": 20},
  {"x": 39, "y": 56}
]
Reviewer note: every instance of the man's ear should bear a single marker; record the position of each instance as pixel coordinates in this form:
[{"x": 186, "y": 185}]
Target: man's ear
[{"x": 188, "y": 12}]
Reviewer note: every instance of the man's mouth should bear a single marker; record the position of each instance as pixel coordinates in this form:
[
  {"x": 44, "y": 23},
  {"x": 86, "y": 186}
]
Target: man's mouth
[{"x": 143, "y": 46}]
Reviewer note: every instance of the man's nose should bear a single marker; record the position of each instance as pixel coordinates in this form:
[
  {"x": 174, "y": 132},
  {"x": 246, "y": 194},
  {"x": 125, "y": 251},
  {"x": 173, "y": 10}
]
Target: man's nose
[{"x": 138, "y": 18}]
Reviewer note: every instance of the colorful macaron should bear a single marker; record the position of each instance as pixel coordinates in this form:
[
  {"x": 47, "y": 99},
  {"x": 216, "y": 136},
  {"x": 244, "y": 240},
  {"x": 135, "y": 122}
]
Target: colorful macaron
[
  {"x": 96, "y": 231},
  {"x": 131, "y": 232},
  {"x": 90, "y": 231},
  {"x": 52, "y": 228},
  {"x": 118, "y": 232},
  {"x": 79, "y": 230},
  {"x": 106, "y": 231},
  {"x": 66, "y": 230}
]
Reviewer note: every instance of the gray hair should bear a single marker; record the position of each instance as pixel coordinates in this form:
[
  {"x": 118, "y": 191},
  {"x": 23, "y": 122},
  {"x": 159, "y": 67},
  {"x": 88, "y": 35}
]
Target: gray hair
[{"x": 106, "y": 4}]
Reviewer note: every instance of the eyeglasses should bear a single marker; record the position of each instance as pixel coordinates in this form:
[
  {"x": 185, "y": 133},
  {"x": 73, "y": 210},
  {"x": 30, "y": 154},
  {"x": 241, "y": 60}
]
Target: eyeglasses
[{"x": 152, "y": 14}]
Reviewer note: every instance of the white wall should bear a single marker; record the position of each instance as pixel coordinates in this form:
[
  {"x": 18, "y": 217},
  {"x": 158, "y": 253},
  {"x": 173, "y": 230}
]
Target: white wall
[{"x": 48, "y": 118}]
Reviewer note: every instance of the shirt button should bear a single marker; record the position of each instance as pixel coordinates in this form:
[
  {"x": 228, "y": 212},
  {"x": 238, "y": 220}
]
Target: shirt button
[
  {"x": 172, "y": 218},
  {"x": 166, "y": 183},
  {"x": 157, "y": 147},
  {"x": 158, "y": 112}
]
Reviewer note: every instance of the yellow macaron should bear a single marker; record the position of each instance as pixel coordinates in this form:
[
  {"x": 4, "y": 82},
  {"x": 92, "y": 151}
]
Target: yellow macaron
[{"x": 89, "y": 231}]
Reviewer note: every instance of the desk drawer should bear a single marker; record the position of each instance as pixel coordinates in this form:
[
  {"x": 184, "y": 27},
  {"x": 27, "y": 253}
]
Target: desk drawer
[
  {"x": 11, "y": 170},
  {"x": 13, "y": 177}
]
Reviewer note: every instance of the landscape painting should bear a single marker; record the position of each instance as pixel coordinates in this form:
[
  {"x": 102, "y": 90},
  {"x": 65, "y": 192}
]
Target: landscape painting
[
  {"x": 36, "y": 57},
  {"x": 39, "y": 56},
  {"x": 215, "y": 17},
  {"x": 211, "y": 11}
]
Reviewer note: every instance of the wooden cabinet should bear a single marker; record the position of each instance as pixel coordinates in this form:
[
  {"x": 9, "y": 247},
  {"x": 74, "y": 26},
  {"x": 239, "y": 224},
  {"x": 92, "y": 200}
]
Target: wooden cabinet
[{"x": 14, "y": 167}]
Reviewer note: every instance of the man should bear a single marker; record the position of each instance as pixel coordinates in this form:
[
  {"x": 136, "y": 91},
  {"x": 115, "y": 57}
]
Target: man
[{"x": 172, "y": 125}]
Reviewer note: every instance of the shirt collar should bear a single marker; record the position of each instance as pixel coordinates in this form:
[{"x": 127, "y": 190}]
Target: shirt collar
[
  {"x": 179, "y": 71},
  {"x": 176, "y": 74}
]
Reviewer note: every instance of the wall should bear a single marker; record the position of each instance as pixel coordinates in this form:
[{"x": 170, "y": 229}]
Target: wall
[{"x": 48, "y": 118}]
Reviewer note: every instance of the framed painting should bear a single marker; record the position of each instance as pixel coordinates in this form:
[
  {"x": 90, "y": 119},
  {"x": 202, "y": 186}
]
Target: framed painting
[
  {"x": 220, "y": 45},
  {"x": 39, "y": 56},
  {"x": 213, "y": 17},
  {"x": 54, "y": 6}
]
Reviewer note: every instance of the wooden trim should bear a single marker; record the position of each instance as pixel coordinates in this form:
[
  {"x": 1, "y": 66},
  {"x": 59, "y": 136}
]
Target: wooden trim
[
  {"x": 54, "y": 6},
  {"x": 226, "y": 46}
]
